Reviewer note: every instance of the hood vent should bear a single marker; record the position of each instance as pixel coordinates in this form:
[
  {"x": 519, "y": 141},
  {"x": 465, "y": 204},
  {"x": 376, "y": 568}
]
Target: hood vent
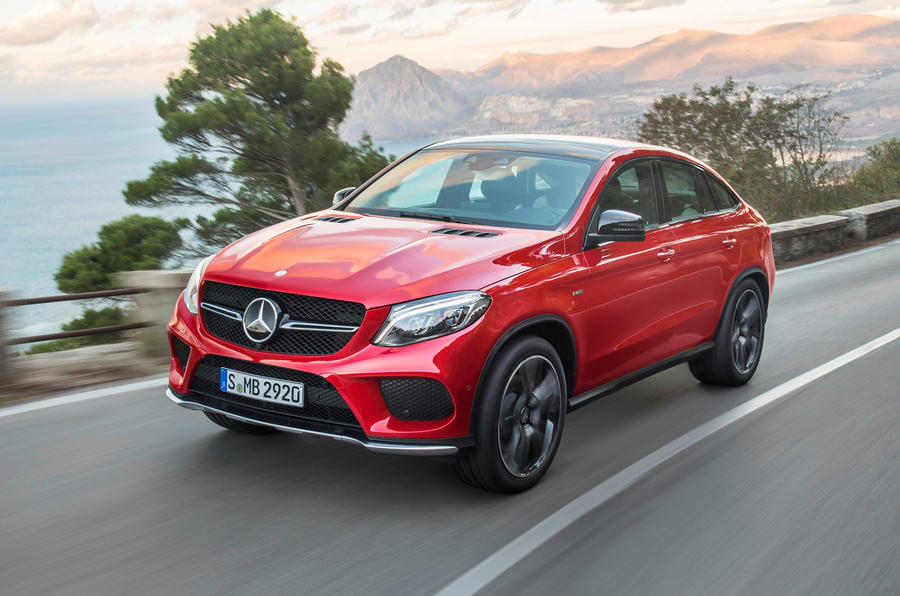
[
  {"x": 336, "y": 219},
  {"x": 462, "y": 232}
]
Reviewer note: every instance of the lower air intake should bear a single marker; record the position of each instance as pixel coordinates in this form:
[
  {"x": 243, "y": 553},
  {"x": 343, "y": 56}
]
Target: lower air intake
[
  {"x": 416, "y": 398},
  {"x": 181, "y": 351}
]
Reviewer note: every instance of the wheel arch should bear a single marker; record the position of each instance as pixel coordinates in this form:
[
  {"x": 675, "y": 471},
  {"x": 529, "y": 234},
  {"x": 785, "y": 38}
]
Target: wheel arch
[
  {"x": 759, "y": 276},
  {"x": 552, "y": 328}
]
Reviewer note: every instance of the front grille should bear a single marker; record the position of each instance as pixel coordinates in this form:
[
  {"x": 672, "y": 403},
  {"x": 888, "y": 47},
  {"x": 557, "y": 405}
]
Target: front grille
[
  {"x": 416, "y": 398},
  {"x": 322, "y": 401},
  {"x": 182, "y": 352},
  {"x": 296, "y": 306}
]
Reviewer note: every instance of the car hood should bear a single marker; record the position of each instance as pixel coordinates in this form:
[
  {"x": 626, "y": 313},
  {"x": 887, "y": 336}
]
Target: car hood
[{"x": 379, "y": 260}]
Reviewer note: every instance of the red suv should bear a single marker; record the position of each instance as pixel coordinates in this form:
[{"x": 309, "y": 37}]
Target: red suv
[{"x": 466, "y": 298}]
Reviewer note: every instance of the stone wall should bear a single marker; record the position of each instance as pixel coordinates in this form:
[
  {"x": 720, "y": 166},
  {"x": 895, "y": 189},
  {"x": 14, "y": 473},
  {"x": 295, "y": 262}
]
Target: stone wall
[
  {"x": 801, "y": 237},
  {"x": 871, "y": 221}
]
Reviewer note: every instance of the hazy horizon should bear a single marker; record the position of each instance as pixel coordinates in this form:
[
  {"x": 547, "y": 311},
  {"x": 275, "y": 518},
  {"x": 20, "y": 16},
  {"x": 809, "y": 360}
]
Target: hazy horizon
[{"x": 54, "y": 50}]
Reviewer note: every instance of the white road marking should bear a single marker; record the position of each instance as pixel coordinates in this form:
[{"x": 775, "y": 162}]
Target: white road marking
[
  {"x": 498, "y": 563},
  {"x": 842, "y": 257},
  {"x": 72, "y": 398}
]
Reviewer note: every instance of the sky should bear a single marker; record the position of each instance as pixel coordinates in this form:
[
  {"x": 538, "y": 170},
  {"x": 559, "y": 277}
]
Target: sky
[{"x": 57, "y": 50}]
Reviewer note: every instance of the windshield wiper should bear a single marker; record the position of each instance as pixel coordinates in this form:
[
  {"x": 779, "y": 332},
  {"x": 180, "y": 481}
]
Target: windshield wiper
[{"x": 421, "y": 215}]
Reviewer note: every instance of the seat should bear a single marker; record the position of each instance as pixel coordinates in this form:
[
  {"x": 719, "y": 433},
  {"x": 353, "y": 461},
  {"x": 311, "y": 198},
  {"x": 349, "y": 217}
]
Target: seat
[
  {"x": 614, "y": 198},
  {"x": 502, "y": 194}
]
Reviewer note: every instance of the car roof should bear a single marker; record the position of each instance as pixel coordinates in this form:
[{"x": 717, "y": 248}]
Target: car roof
[{"x": 588, "y": 147}]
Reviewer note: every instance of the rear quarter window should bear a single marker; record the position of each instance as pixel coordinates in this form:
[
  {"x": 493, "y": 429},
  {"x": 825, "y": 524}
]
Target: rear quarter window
[{"x": 725, "y": 201}]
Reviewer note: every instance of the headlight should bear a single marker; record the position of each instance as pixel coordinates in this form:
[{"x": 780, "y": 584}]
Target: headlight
[
  {"x": 192, "y": 291},
  {"x": 416, "y": 321}
]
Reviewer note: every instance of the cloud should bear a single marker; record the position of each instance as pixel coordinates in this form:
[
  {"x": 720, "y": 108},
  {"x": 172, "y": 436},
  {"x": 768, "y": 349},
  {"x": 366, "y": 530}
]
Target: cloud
[
  {"x": 337, "y": 13},
  {"x": 6, "y": 64},
  {"x": 123, "y": 18},
  {"x": 130, "y": 62},
  {"x": 403, "y": 9},
  {"x": 401, "y": 13},
  {"x": 120, "y": 19},
  {"x": 513, "y": 6},
  {"x": 48, "y": 20},
  {"x": 219, "y": 11},
  {"x": 350, "y": 29},
  {"x": 417, "y": 32},
  {"x": 637, "y": 5},
  {"x": 162, "y": 13}
]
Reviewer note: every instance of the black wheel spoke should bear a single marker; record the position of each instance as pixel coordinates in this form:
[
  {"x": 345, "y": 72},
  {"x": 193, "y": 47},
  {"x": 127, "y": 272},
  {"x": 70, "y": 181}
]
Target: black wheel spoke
[
  {"x": 508, "y": 407},
  {"x": 510, "y": 446},
  {"x": 523, "y": 448},
  {"x": 545, "y": 392},
  {"x": 530, "y": 372},
  {"x": 750, "y": 311}
]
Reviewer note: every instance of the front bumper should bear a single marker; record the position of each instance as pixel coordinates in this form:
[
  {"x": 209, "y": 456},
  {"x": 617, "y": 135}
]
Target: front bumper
[
  {"x": 377, "y": 446},
  {"x": 353, "y": 376}
]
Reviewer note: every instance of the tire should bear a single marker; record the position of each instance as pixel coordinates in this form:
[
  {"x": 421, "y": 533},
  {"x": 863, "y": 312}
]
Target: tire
[
  {"x": 738, "y": 339},
  {"x": 513, "y": 452},
  {"x": 239, "y": 425}
]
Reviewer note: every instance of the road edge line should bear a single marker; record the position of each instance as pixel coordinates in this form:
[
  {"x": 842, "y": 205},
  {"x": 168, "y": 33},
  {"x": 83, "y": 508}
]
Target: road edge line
[
  {"x": 72, "y": 398},
  {"x": 485, "y": 572}
]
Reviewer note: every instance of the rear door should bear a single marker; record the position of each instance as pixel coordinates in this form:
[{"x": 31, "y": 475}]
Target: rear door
[{"x": 707, "y": 252}]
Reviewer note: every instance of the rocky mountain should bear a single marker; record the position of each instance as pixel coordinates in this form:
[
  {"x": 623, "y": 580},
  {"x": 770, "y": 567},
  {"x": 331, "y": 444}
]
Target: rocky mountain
[
  {"x": 399, "y": 99},
  {"x": 603, "y": 90},
  {"x": 851, "y": 41}
]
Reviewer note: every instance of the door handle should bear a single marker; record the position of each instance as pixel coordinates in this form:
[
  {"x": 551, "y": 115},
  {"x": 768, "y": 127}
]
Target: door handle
[
  {"x": 729, "y": 242},
  {"x": 665, "y": 253}
]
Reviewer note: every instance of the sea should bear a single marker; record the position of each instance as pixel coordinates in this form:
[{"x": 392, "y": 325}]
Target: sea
[{"x": 63, "y": 168}]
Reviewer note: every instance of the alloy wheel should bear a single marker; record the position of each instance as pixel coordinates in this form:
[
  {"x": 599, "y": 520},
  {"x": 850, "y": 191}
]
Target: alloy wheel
[
  {"x": 529, "y": 416},
  {"x": 746, "y": 331}
]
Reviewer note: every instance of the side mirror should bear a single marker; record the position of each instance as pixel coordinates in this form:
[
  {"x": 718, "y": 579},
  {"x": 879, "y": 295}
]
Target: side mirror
[
  {"x": 342, "y": 194},
  {"x": 618, "y": 226}
]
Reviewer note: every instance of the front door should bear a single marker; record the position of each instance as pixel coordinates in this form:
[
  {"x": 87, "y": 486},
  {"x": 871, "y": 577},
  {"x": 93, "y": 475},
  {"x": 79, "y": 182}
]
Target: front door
[{"x": 623, "y": 310}]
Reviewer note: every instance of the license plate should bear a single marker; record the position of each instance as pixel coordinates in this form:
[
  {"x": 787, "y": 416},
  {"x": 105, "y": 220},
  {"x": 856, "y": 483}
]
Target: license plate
[{"x": 261, "y": 388}]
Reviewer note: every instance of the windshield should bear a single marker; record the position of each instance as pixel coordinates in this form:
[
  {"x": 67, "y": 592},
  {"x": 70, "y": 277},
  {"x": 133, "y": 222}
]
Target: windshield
[{"x": 505, "y": 188}]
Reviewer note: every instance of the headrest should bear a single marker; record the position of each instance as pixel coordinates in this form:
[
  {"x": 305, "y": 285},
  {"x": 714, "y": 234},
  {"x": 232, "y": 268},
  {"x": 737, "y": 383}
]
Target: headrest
[{"x": 497, "y": 188}]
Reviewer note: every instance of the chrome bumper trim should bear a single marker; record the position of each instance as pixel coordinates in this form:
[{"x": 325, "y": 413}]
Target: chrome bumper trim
[{"x": 377, "y": 446}]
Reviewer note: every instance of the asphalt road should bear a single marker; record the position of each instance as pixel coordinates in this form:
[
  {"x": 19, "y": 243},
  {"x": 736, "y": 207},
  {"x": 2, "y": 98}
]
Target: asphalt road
[{"x": 131, "y": 494}]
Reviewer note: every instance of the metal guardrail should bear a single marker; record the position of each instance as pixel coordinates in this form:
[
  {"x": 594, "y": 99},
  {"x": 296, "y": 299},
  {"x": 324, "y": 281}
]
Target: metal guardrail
[{"x": 78, "y": 332}]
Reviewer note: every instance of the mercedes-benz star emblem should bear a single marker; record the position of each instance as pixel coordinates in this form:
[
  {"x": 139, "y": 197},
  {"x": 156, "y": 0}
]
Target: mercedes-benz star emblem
[{"x": 261, "y": 320}]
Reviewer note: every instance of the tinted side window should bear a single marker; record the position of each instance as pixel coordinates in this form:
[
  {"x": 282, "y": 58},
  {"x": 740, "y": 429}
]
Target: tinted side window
[
  {"x": 681, "y": 196},
  {"x": 631, "y": 190},
  {"x": 724, "y": 199}
]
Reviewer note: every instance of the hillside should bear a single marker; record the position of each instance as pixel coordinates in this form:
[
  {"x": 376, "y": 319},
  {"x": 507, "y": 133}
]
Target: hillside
[
  {"x": 398, "y": 98},
  {"x": 602, "y": 90}
]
